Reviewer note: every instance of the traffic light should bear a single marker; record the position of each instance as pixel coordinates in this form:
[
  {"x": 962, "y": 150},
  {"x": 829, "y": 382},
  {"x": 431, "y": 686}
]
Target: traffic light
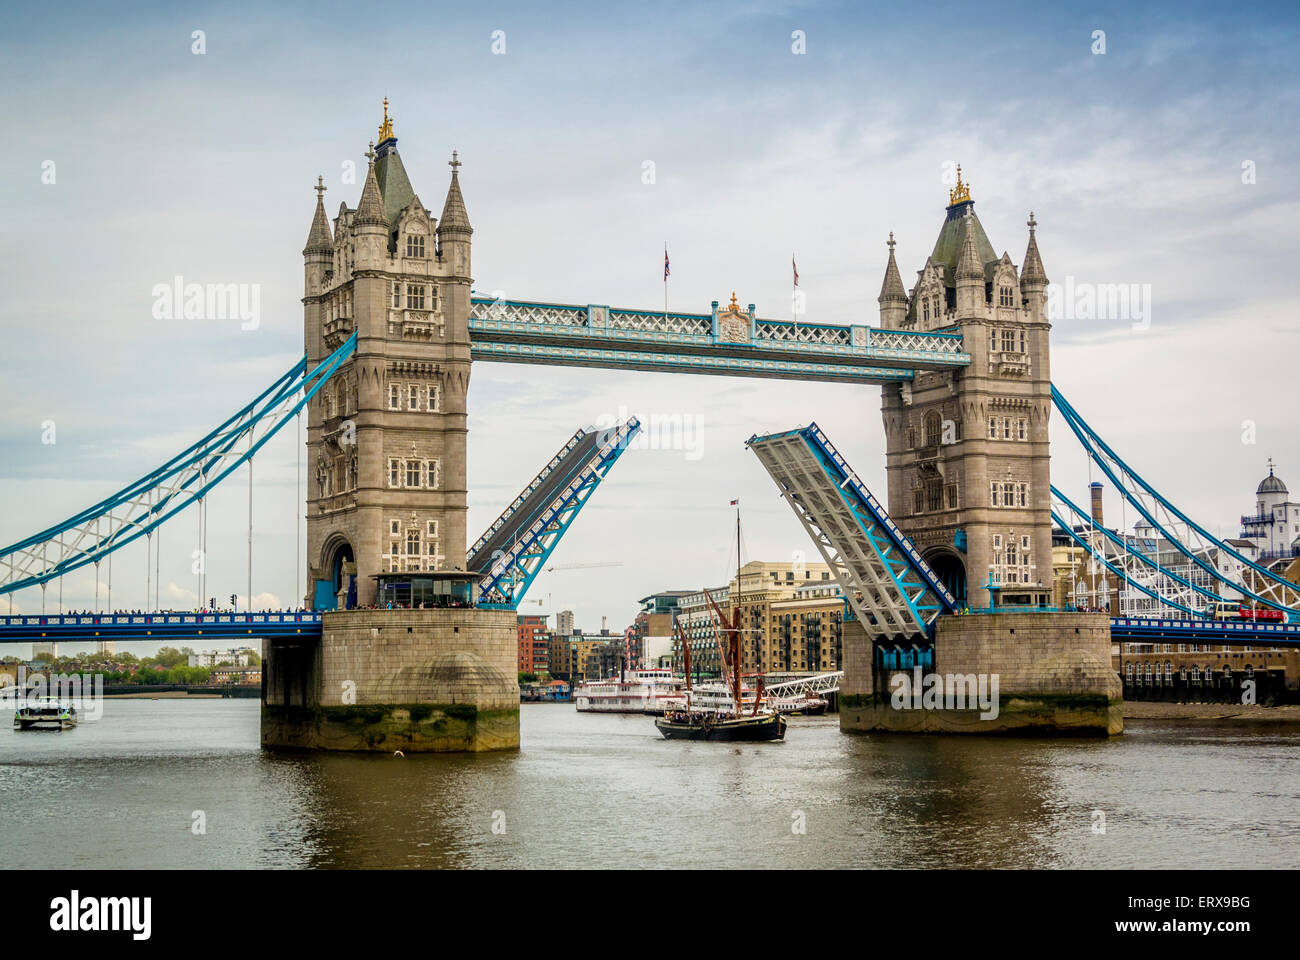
[
  {"x": 234, "y": 601},
  {"x": 212, "y": 603}
]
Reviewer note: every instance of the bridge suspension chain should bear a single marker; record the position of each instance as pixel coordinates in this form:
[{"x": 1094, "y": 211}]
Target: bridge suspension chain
[
  {"x": 1187, "y": 537},
  {"x": 139, "y": 509}
]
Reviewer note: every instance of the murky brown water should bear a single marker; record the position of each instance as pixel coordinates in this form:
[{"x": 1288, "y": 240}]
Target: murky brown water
[{"x": 608, "y": 791}]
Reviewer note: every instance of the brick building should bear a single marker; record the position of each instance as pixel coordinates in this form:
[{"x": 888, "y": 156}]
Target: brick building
[{"x": 534, "y": 643}]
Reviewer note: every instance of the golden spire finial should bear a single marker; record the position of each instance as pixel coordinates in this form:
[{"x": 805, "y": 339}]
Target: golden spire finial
[
  {"x": 386, "y": 128},
  {"x": 961, "y": 193},
  {"x": 734, "y": 306}
]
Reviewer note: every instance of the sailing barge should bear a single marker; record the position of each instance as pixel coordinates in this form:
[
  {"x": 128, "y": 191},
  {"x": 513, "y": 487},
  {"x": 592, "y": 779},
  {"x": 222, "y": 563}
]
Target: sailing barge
[{"x": 761, "y": 724}]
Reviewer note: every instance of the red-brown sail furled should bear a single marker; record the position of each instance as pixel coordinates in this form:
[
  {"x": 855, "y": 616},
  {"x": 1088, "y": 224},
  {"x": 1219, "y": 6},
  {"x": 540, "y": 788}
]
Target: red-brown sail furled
[{"x": 686, "y": 651}]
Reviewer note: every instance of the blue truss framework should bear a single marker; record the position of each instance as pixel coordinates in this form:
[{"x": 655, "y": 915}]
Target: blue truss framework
[
  {"x": 666, "y": 362},
  {"x": 721, "y": 343},
  {"x": 141, "y": 507},
  {"x": 523, "y": 509},
  {"x": 511, "y": 572},
  {"x": 893, "y": 591},
  {"x": 1120, "y": 574},
  {"x": 1078, "y": 514},
  {"x": 1104, "y": 457}
]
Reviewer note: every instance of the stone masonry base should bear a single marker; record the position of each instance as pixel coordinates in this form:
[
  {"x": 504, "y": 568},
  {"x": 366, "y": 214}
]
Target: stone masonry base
[
  {"x": 383, "y": 680},
  {"x": 1053, "y": 669}
]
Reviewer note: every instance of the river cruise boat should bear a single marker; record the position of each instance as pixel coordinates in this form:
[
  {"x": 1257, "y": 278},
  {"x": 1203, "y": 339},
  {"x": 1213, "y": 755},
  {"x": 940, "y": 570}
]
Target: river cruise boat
[
  {"x": 45, "y": 715},
  {"x": 715, "y": 697},
  {"x": 638, "y": 691}
]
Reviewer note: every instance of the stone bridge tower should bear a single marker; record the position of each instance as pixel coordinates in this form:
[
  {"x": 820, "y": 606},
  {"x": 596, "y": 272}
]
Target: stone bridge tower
[
  {"x": 967, "y": 450},
  {"x": 386, "y": 435}
]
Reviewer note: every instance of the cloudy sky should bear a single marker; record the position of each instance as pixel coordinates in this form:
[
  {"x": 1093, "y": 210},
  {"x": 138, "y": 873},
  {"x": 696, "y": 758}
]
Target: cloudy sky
[{"x": 167, "y": 162}]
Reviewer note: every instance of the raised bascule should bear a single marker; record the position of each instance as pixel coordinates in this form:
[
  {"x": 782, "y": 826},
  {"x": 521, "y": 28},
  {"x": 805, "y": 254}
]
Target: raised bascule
[{"x": 410, "y": 638}]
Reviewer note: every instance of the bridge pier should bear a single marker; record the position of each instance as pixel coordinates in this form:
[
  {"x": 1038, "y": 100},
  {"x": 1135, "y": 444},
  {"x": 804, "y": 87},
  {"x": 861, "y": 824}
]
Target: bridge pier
[
  {"x": 435, "y": 681},
  {"x": 1040, "y": 674}
]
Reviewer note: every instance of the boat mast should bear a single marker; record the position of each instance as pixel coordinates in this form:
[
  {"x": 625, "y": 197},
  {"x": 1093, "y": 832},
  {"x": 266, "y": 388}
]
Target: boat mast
[
  {"x": 735, "y": 620},
  {"x": 686, "y": 652}
]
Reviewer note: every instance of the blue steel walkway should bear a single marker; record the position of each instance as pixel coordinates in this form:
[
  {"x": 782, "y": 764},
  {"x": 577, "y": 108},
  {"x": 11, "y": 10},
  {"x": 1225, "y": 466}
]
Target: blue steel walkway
[{"x": 65, "y": 628}]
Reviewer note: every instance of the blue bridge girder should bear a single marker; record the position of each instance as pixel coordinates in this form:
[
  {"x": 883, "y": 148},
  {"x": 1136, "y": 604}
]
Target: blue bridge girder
[
  {"x": 1215, "y": 632},
  {"x": 892, "y": 590},
  {"x": 258, "y": 625},
  {"x": 69, "y": 627},
  {"x": 512, "y": 551},
  {"x": 721, "y": 343}
]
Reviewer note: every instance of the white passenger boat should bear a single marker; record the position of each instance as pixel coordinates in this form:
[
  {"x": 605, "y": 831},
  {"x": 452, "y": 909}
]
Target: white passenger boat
[
  {"x": 714, "y": 697},
  {"x": 638, "y": 691}
]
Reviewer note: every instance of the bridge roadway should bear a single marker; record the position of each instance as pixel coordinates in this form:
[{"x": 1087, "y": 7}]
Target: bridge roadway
[
  {"x": 1234, "y": 632},
  {"x": 529, "y": 506},
  {"x": 64, "y": 628}
]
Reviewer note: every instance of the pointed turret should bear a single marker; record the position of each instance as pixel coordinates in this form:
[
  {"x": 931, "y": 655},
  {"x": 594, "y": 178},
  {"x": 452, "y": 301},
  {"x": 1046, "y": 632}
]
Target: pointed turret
[
  {"x": 969, "y": 266},
  {"x": 970, "y": 279},
  {"x": 319, "y": 240},
  {"x": 893, "y": 298},
  {"x": 1033, "y": 278},
  {"x": 318, "y": 260},
  {"x": 370, "y": 211},
  {"x": 1033, "y": 270},
  {"x": 455, "y": 219},
  {"x": 454, "y": 231}
]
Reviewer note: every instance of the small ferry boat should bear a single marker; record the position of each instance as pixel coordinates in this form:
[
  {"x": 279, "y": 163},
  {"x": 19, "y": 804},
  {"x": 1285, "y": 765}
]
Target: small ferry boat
[
  {"x": 637, "y": 691},
  {"x": 45, "y": 714},
  {"x": 809, "y": 704}
]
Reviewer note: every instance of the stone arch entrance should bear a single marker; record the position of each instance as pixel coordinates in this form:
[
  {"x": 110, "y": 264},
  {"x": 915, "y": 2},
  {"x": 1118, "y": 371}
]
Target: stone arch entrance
[
  {"x": 950, "y": 568},
  {"x": 337, "y": 587}
]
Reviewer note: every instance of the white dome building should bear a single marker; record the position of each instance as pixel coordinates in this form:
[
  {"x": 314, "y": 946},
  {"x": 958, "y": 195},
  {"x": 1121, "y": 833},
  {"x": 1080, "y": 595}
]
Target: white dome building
[{"x": 1275, "y": 525}]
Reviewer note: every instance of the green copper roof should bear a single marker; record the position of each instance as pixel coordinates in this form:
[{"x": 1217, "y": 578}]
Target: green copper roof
[
  {"x": 947, "y": 249},
  {"x": 394, "y": 185},
  {"x": 959, "y": 221}
]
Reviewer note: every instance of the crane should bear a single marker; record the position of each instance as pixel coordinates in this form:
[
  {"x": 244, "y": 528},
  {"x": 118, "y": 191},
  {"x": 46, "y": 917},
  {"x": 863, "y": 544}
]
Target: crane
[{"x": 572, "y": 566}]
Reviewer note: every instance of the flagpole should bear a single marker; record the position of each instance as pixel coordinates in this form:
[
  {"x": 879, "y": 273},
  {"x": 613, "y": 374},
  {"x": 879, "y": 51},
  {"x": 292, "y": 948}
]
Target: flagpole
[
  {"x": 666, "y": 281},
  {"x": 794, "y": 312}
]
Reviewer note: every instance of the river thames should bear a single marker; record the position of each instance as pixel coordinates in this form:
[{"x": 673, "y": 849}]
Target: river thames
[{"x": 127, "y": 790}]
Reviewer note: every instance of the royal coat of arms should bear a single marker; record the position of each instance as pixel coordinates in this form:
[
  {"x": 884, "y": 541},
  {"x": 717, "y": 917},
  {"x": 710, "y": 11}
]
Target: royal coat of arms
[{"x": 733, "y": 323}]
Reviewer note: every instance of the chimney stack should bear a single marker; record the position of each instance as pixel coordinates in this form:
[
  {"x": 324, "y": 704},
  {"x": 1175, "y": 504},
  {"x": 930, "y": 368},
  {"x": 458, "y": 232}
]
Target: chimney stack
[{"x": 1095, "y": 489}]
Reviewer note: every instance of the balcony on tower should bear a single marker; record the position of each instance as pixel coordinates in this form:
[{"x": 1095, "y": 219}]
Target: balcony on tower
[
  {"x": 927, "y": 457},
  {"x": 417, "y": 325},
  {"x": 335, "y": 331},
  {"x": 1009, "y": 363}
]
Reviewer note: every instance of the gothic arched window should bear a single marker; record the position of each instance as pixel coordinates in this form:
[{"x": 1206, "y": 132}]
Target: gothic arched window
[{"x": 933, "y": 429}]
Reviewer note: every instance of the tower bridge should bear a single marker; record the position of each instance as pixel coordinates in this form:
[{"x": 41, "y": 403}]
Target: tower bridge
[{"x": 392, "y": 327}]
